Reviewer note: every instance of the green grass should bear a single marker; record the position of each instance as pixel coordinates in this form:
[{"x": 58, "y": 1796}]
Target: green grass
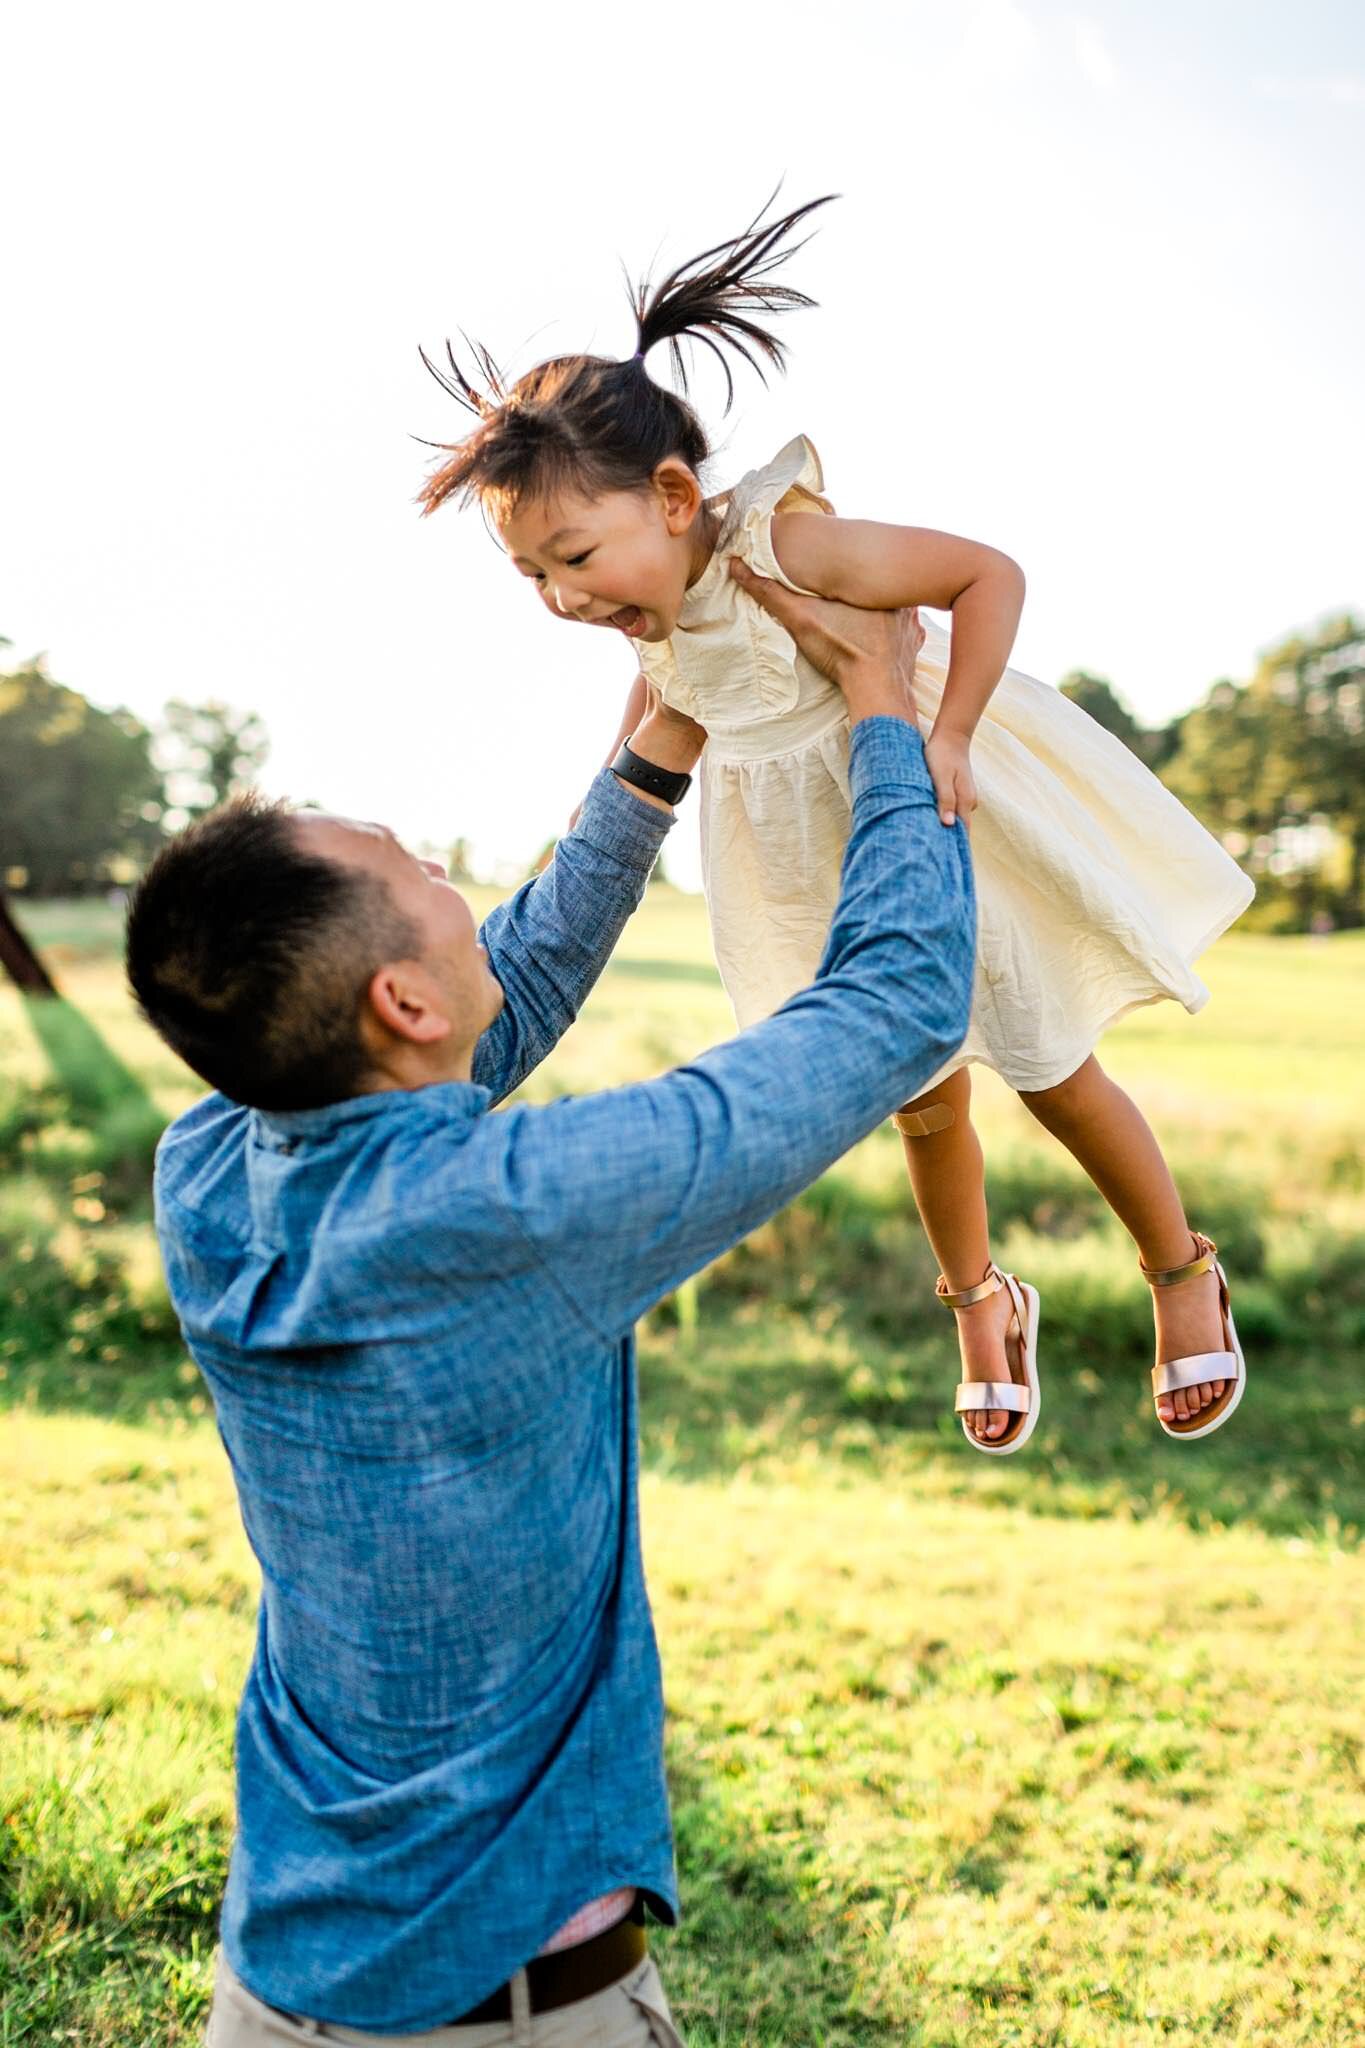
[{"x": 1059, "y": 1749}]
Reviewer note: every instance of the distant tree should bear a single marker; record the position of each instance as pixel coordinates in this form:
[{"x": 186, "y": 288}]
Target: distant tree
[
  {"x": 80, "y": 798},
  {"x": 1317, "y": 682},
  {"x": 1102, "y": 702},
  {"x": 206, "y": 751},
  {"x": 1277, "y": 766},
  {"x": 1099, "y": 699}
]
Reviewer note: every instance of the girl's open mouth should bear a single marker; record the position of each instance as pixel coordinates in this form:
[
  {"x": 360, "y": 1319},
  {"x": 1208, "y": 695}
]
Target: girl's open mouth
[{"x": 630, "y": 619}]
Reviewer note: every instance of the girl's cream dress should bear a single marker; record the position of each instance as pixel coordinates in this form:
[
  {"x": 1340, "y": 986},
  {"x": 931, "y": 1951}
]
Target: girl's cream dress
[{"x": 1095, "y": 888}]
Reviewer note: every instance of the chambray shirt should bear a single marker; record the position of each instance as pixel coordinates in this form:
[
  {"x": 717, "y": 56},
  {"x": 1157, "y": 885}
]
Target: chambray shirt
[{"x": 415, "y": 1319}]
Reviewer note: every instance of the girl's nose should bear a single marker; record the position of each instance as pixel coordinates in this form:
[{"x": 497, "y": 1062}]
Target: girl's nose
[{"x": 572, "y": 603}]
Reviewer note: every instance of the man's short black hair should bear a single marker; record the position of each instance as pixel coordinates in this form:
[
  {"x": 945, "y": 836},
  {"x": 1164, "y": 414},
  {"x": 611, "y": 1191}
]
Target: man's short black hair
[{"x": 251, "y": 955}]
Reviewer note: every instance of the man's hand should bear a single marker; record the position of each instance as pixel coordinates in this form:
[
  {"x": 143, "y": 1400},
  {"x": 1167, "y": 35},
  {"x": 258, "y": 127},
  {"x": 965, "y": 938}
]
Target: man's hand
[{"x": 869, "y": 655}]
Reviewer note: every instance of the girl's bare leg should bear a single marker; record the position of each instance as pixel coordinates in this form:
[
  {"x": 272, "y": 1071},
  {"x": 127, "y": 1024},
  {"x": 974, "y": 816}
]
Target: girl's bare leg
[
  {"x": 1106, "y": 1132},
  {"x": 947, "y": 1174}
]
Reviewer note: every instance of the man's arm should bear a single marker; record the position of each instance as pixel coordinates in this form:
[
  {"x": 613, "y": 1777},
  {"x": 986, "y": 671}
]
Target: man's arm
[
  {"x": 550, "y": 941},
  {"x": 621, "y": 1195}
]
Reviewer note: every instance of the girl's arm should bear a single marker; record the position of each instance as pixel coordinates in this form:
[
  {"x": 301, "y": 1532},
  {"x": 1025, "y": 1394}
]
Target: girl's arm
[
  {"x": 884, "y": 567},
  {"x": 637, "y": 704}
]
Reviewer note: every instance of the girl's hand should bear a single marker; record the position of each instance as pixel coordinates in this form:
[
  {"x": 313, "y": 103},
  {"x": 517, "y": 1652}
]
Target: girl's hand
[{"x": 947, "y": 756}]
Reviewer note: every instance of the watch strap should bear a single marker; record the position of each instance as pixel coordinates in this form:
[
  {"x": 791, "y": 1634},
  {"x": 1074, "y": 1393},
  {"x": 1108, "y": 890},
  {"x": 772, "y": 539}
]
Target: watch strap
[{"x": 667, "y": 783}]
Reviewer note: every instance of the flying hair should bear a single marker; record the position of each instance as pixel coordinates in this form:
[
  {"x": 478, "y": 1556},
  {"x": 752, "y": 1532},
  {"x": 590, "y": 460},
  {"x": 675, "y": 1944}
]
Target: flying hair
[
  {"x": 710, "y": 298},
  {"x": 594, "y": 423}
]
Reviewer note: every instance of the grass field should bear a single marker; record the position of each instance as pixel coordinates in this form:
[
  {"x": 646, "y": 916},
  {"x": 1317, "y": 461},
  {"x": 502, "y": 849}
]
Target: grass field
[{"x": 1064, "y": 1749}]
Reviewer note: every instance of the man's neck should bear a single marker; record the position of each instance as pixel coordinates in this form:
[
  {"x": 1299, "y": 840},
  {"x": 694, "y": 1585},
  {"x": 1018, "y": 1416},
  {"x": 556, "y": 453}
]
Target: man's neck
[{"x": 407, "y": 1069}]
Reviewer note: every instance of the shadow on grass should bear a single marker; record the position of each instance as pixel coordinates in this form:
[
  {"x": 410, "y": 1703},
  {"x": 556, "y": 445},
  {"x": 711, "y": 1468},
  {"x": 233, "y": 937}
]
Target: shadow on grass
[
  {"x": 95, "y": 1090},
  {"x": 758, "y": 1960},
  {"x": 817, "y": 1337},
  {"x": 761, "y": 1389},
  {"x": 80, "y": 1330},
  {"x": 76, "y": 1337}
]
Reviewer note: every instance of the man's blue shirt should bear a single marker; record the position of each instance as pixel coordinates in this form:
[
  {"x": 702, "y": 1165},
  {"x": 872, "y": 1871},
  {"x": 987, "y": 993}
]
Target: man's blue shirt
[{"x": 415, "y": 1319}]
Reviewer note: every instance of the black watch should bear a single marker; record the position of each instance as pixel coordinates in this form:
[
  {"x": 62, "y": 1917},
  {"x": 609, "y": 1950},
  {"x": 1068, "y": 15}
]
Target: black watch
[{"x": 642, "y": 774}]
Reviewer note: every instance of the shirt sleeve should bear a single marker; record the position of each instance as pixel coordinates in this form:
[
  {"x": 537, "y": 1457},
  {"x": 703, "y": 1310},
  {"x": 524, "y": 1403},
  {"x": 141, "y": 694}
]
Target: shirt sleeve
[
  {"x": 621, "y": 1195},
  {"x": 549, "y": 942}
]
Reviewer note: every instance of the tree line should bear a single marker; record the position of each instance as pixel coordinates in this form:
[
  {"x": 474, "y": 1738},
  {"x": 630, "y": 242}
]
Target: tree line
[
  {"x": 1275, "y": 766},
  {"x": 86, "y": 796}
]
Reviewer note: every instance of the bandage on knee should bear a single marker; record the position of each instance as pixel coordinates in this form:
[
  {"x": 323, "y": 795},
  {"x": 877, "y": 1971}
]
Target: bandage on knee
[{"x": 922, "y": 1123}]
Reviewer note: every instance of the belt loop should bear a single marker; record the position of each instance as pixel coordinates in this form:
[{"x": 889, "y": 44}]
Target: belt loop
[{"x": 521, "y": 2010}]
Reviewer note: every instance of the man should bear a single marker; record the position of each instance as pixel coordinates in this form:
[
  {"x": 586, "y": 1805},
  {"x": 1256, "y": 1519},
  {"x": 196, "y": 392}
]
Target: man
[{"x": 415, "y": 1318}]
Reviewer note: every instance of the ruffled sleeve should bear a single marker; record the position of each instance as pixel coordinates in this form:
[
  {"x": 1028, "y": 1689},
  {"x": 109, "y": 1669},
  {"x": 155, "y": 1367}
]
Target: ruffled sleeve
[
  {"x": 728, "y": 662},
  {"x": 791, "y": 482}
]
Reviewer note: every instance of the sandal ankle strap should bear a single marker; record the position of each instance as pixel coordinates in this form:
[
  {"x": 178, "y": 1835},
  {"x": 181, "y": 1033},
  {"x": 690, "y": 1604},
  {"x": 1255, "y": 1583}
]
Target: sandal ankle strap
[
  {"x": 992, "y": 1284},
  {"x": 1171, "y": 1276}
]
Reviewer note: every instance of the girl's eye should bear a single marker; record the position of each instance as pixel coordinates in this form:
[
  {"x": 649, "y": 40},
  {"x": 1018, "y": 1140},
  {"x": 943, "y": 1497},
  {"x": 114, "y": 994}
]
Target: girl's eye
[{"x": 577, "y": 561}]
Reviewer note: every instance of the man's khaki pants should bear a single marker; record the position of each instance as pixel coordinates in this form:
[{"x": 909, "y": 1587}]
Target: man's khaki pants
[{"x": 631, "y": 2014}]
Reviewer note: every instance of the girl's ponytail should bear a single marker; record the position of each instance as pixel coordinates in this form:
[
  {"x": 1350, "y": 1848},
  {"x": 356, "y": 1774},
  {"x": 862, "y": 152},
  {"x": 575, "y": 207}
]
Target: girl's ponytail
[
  {"x": 710, "y": 298},
  {"x": 593, "y": 423}
]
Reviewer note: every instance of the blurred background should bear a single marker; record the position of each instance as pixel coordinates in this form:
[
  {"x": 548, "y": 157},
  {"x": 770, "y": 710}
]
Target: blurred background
[
  {"x": 1092, "y": 293},
  {"x": 1059, "y": 1749}
]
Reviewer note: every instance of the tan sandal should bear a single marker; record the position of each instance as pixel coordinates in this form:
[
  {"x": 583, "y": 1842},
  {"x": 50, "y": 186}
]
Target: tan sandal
[
  {"x": 1172, "y": 1375},
  {"x": 1020, "y": 1398}
]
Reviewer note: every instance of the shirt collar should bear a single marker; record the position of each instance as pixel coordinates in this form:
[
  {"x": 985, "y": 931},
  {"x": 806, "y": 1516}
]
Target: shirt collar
[{"x": 459, "y": 1101}]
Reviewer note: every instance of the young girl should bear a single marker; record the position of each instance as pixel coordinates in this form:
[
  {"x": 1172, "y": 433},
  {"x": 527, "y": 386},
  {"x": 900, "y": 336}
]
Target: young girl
[{"x": 1096, "y": 889}]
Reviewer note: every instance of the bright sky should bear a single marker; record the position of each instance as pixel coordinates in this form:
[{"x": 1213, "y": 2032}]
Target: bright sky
[{"x": 1094, "y": 293}]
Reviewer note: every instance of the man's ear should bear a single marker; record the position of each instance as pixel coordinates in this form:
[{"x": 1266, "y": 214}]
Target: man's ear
[
  {"x": 407, "y": 1002},
  {"x": 679, "y": 494}
]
